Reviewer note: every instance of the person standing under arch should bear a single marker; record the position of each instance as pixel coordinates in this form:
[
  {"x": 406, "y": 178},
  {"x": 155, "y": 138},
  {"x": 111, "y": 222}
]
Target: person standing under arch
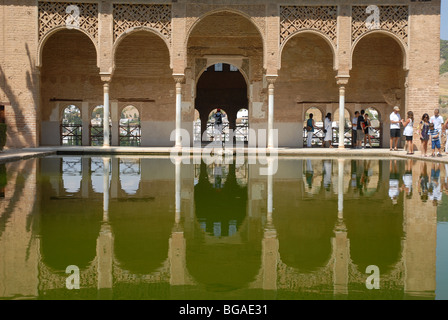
[
  {"x": 360, "y": 129},
  {"x": 408, "y": 131},
  {"x": 310, "y": 126},
  {"x": 218, "y": 124},
  {"x": 328, "y": 130},
  {"x": 395, "y": 120},
  {"x": 423, "y": 129}
]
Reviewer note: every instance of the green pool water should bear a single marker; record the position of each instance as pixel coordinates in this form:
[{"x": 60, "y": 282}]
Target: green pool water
[{"x": 145, "y": 228}]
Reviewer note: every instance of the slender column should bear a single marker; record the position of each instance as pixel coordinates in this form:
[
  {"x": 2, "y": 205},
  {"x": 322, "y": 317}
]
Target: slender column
[
  {"x": 271, "y": 80},
  {"x": 106, "y": 116},
  {"x": 179, "y": 78},
  {"x": 342, "y": 82}
]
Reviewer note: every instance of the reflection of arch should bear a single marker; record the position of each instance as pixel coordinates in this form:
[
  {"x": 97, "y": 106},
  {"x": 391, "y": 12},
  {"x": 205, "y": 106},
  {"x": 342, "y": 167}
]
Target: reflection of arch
[
  {"x": 222, "y": 253},
  {"x": 67, "y": 237},
  {"x": 45, "y": 38},
  {"x": 305, "y": 236},
  {"x": 135, "y": 30},
  {"x": 313, "y": 32},
  {"x": 375, "y": 235},
  {"x": 231, "y": 11},
  {"x": 390, "y": 34},
  {"x": 142, "y": 230}
]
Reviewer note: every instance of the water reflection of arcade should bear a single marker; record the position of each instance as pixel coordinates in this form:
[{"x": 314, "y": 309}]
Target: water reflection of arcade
[{"x": 304, "y": 245}]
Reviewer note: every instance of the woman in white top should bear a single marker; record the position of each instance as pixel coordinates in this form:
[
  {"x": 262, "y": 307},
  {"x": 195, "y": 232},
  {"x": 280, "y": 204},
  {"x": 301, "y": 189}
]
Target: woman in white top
[
  {"x": 408, "y": 132},
  {"x": 328, "y": 130}
]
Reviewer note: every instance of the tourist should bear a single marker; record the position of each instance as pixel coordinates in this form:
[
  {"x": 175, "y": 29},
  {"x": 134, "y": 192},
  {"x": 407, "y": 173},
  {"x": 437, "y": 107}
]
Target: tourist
[
  {"x": 395, "y": 120},
  {"x": 309, "y": 173},
  {"x": 354, "y": 128},
  {"x": 328, "y": 130},
  {"x": 423, "y": 129},
  {"x": 446, "y": 134},
  {"x": 408, "y": 131},
  {"x": 435, "y": 140},
  {"x": 367, "y": 130},
  {"x": 310, "y": 126},
  {"x": 360, "y": 129},
  {"x": 437, "y": 120},
  {"x": 218, "y": 124}
]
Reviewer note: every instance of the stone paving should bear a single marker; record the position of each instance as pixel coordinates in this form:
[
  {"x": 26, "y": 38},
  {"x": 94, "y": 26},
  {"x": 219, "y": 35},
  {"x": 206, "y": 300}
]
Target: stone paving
[{"x": 20, "y": 154}]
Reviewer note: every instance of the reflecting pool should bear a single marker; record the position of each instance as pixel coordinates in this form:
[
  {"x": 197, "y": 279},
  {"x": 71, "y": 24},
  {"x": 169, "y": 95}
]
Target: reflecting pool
[{"x": 145, "y": 228}]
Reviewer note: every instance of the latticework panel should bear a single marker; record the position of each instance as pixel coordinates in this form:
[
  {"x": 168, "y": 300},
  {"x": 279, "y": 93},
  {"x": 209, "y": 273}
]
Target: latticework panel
[
  {"x": 154, "y": 16},
  {"x": 391, "y": 18},
  {"x": 298, "y": 18},
  {"x": 73, "y": 15}
]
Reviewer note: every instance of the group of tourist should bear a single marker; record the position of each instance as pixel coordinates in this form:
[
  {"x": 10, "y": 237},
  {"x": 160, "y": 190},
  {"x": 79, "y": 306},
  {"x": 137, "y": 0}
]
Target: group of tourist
[{"x": 428, "y": 129}]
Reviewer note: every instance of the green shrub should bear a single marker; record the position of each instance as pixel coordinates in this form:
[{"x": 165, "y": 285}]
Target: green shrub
[{"x": 2, "y": 135}]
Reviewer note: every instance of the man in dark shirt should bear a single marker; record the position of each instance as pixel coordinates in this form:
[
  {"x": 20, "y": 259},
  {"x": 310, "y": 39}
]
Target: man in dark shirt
[{"x": 360, "y": 130}]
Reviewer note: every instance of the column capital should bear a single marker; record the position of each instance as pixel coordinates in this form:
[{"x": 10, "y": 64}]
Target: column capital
[
  {"x": 106, "y": 77},
  {"x": 271, "y": 78},
  {"x": 179, "y": 78},
  {"x": 342, "y": 80}
]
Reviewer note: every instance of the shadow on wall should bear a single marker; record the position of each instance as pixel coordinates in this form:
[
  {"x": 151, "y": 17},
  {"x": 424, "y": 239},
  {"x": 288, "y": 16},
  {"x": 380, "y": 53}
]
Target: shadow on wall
[{"x": 20, "y": 132}]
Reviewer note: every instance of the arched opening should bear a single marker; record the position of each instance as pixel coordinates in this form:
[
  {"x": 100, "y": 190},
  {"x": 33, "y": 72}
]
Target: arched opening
[
  {"x": 230, "y": 48},
  {"x": 377, "y": 77},
  {"x": 97, "y": 127},
  {"x": 71, "y": 126},
  {"x": 347, "y": 128},
  {"x": 130, "y": 129},
  {"x": 318, "y": 133},
  {"x": 69, "y": 76},
  {"x": 215, "y": 133},
  {"x": 306, "y": 76},
  {"x": 376, "y": 130},
  {"x": 197, "y": 126},
  {"x": 242, "y": 125},
  {"x": 144, "y": 79}
]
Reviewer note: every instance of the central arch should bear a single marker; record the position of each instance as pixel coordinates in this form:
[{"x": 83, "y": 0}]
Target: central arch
[{"x": 225, "y": 54}]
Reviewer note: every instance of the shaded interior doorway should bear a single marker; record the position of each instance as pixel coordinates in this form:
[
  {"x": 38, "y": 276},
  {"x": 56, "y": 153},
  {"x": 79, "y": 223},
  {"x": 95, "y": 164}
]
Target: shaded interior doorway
[{"x": 220, "y": 86}]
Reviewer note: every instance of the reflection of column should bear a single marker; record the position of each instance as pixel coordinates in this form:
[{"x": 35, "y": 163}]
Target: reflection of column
[
  {"x": 340, "y": 188},
  {"x": 178, "y": 192},
  {"x": 271, "y": 80},
  {"x": 270, "y": 189},
  {"x": 106, "y": 116},
  {"x": 106, "y": 174},
  {"x": 179, "y": 78},
  {"x": 340, "y": 241},
  {"x": 270, "y": 257},
  {"x": 342, "y": 82},
  {"x": 104, "y": 252}
]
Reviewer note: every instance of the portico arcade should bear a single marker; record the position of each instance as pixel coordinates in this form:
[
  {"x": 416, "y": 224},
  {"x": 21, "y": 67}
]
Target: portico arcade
[{"x": 292, "y": 56}]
